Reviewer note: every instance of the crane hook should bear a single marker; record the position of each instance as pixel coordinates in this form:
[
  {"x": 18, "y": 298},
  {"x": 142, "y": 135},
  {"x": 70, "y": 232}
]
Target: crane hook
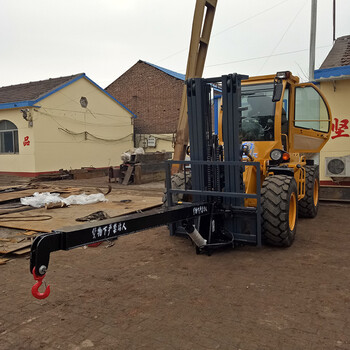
[{"x": 35, "y": 291}]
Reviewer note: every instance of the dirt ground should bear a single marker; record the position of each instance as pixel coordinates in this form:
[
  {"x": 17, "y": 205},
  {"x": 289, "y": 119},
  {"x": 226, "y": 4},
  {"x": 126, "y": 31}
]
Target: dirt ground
[{"x": 151, "y": 291}]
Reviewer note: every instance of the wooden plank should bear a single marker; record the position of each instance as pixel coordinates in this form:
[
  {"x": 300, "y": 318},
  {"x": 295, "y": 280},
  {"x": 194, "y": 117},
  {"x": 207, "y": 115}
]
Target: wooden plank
[
  {"x": 128, "y": 174},
  {"x": 30, "y": 233},
  {"x": 137, "y": 174},
  {"x": 17, "y": 187},
  {"x": 22, "y": 251},
  {"x": 68, "y": 190},
  {"x": 89, "y": 175},
  {"x": 62, "y": 217},
  {"x": 3, "y": 261},
  {"x": 11, "y": 240},
  {"x": 7, "y": 196},
  {"x": 12, "y": 247}
]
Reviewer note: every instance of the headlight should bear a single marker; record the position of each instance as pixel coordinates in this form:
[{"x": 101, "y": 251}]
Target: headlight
[
  {"x": 283, "y": 75},
  {"x": 276, "y": 155},
  {"x": 280, "y": 156}
]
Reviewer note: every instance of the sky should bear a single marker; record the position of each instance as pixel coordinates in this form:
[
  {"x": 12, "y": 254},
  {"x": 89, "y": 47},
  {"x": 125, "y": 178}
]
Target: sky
[{"x": 41, "y": 39}]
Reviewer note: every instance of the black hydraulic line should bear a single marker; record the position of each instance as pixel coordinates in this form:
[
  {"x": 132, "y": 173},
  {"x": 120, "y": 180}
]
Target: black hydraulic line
[{"x": 217, "y": 173}]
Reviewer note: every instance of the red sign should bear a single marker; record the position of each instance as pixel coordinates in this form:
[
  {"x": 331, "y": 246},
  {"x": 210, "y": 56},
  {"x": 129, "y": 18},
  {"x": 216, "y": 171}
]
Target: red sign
[
  {"x": 339, "y": 127},
  {"x": 26, "y": 141}
]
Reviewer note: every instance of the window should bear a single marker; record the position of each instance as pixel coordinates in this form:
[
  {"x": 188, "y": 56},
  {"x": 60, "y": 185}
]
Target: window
[
  {"x": 310, "y": 110},
  {"x": 8, "y": 137},
  {"x": 257, "y": 123}
]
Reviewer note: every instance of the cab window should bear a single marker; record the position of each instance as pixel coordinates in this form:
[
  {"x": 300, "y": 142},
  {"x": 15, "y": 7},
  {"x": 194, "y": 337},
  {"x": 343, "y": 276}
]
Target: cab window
[
  {"x": 310, "y": 110},
  {"x": 258, "y": 116}
]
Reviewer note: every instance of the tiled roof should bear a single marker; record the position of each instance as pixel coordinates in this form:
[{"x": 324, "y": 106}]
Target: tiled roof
[
  {"x": 33, "y": 90},
  {"x": 339, "y": 55}
]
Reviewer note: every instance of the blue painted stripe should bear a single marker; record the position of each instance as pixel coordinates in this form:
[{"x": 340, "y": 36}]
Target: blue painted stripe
[
  {"x": 175, "y": 74},
  {"x": 60, "y": 87},
  {"x": 20, "y": 104},
  {"x": 114, "y": 99},
  {"x": 168, "y": 71},
  {"x": 332, "y": 72}
]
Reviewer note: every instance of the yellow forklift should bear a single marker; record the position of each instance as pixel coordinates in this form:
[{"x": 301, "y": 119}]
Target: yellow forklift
[
  {"x": 247, "y": 183},
  {"x": 282, "y": 124}
]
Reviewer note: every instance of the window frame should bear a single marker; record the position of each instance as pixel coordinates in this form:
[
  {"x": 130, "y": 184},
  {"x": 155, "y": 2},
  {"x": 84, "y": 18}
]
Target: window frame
[
  {"x": 14, "y": 137},
  {"x": 304, "y": 86}
]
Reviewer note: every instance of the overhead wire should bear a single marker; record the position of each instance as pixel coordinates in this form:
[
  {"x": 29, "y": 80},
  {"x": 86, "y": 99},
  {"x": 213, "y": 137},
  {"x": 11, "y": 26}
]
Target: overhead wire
[
  {"x": 86, "y": 133},
  {"x": 82, "y": 112},
  {"x": 78, "y": 103},
  {"x": 261, "y": 57},
  {"x": 55, "y": 117},
  {"x": 226, "y": 29},
  {"x": 305, "y": 76},
  {"x": 249, "y": 18},
  {"x": 285, "y": 32}
]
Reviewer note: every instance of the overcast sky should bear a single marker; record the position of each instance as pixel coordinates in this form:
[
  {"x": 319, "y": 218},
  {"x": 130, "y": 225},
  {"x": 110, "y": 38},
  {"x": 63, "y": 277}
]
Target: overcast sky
[{"x": 41, "y": 39}]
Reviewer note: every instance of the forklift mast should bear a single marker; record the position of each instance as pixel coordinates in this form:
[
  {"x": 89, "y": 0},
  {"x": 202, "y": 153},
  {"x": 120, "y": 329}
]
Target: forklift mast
[
  {"x": 216, "y": 170},
  {"x": 202, "y": 24}
]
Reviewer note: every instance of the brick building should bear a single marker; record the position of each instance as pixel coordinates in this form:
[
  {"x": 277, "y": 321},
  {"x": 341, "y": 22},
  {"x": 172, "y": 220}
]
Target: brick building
[{"x": 154, "y": 94}]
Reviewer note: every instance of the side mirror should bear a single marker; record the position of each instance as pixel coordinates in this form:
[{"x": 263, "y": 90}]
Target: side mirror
[{"x": 277, "y": 89}]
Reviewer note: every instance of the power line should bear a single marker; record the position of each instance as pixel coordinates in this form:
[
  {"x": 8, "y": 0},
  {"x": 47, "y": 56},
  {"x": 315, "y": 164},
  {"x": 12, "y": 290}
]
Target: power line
[
  {"x": 94, "y": 114},
  {"x": 285, "y": 32},
  {"x": 261, "y": 57},
  {"x": 228, "y": 28},
  {"x": 76, "y": 121},
  {"x": 86, "y": 133},
  {"x": 249, "y": 18},
  {"x": 305, "y": 76}
]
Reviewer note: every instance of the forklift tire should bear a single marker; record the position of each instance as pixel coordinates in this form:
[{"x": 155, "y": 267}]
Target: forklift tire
[
  {"x": 279, "y": 202},
  {"x": 178, "y": 183},
  {"x": 308, "y": 206}
]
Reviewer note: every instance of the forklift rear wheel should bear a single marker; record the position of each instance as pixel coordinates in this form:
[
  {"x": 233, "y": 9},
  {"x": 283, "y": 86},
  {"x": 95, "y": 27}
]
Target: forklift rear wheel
[
  {"x": 279, "y": 201},
  {"x": 178, "y": 182},
  {"x": 308, "y": 206}
]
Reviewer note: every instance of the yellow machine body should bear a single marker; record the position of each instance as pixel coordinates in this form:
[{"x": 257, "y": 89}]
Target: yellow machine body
[{"x": 301, "y": 126}]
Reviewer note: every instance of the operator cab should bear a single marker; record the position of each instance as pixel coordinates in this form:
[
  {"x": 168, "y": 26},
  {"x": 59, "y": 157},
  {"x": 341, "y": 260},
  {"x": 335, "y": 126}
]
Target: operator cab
[{"x": 277, "y": 112}]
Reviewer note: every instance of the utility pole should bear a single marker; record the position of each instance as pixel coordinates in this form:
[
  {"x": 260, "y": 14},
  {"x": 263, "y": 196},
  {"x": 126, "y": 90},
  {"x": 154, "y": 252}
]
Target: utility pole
[
  {"x": 312, "y": 39},
  {"x": 316, "y": 156},
  {"x": 333, "y": 21}
]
